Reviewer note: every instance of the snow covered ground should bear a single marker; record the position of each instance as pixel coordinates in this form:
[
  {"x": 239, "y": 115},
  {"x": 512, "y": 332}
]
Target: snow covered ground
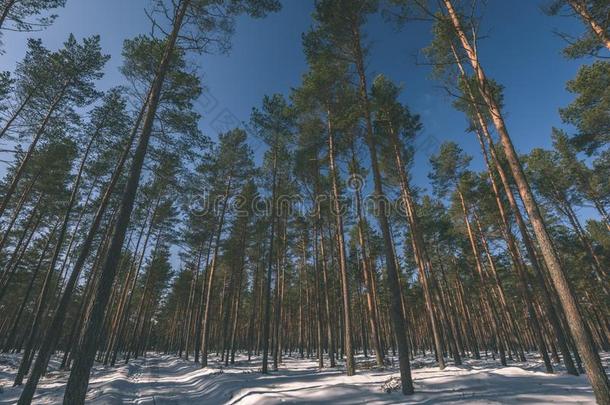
[{"x": 160, "y": 379}]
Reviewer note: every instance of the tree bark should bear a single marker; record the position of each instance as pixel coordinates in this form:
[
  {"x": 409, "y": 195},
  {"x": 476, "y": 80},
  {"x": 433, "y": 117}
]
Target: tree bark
[
  {"x": 398, "y": 319},
  {"x": 599, "y": 31},
  {"x": 13, "y": 117},
  {"x": 350, "y": 367},
  {"x": 367, "y": 274},
  {"x": 267, "y": 313},
  {"x": 595, "y": 371},
  {"x": 76, "y": 388},
  {"x": 205, "y": 333},
  {"x": 5, "y": 11}
]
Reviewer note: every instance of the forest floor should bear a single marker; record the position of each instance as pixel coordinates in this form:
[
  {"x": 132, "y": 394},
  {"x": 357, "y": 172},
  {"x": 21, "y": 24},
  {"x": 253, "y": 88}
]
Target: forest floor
[{"x": 163, "y": 379}]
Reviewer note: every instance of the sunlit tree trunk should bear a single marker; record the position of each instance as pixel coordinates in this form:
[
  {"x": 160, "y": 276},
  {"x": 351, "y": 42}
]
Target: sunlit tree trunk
[
  {"x": 205, "y": 326},
  {"x": 367, "y": 274},
  {"x": 318, "y": 298},
  {"x": 350, "y": 367},
  {"x": 601, "y": 32},
  {"x": 595, "y": 371}
]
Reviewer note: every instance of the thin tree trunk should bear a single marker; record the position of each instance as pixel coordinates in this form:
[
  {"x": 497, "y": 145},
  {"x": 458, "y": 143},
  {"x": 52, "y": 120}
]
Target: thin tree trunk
[
  {"x": 17, "y": 255},
  {"x": 267, "y": 310},
  {"x": 123, "y": 310},
  {"x": 19, "y": 109},
  {"x": 367, "y": 274},
  {"x": 398, "y": 319},
  {"x": 318, "y": 298},
  {"x": 350, "y": 367},
  {"x": 205, "y": 329},
  {"x": 28, "y": 155},
  {"x": 255, "y": 304},
  {"x": 488, "y": 303},
  {"x": 330, "y": 328},
  {"x": 24, "y": 196},
  {"x": 142, "y": 306},
  {"x": 520, "y": 265},
  {"x": 424, "y": 264},
  {"x": 202, "y": 296},
  {"x": 191, "y": 303}
]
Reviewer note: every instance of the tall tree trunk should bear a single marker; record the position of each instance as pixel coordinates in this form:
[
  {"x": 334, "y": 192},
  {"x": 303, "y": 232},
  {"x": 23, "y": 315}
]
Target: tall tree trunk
[
  {"x": 279, "y": 299},
  {"x": 422, "y": 259},
  {"x": 143, "y": 305},
  {"x": 18, "y": 252},
  {"x": 506, "y": 310},
  {"x": 485, "y": 296},
  {"x": 508, "y": 235},
  {"x": 326, "y": 282},
  {"x": 233, "y": 346},
  {"x": 350, "y": 367},
  {"x": 202, "y": 295},
  {"x": 257, "y": 282},
  {"x": 191, "y": 303},
  {"x": 398, "y": 319},
  {"x": 234, "y": 286},
  {"x": 88, "y": 291},
  {"x": 302, "y": 269},
  {"x": 129, "y": 292},
  {"x": 267, "y": 310},
  {"x": 318, "y": 298},
  {"x": 595, "y": 371},
  {"x": 76, "y": 388},
  {"x": 205, "y": 328},
  {"x": 366, "y": 272}
]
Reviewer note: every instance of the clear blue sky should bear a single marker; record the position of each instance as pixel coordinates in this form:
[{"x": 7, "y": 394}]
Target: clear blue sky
[{"x": 521, "y": 52}]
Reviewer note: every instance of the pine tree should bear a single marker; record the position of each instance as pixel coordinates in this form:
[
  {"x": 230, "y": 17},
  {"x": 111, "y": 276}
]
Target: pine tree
[{"x": 19, "y": 15}]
